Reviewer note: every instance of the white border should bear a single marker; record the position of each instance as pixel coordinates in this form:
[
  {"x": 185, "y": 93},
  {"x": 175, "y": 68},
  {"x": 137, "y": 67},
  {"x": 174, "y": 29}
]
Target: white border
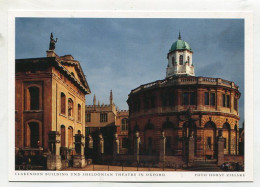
[{"x": 169, "y": 176}]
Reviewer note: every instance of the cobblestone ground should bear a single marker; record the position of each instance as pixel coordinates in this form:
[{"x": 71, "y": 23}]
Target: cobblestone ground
[{"x": 118, "y": 168}]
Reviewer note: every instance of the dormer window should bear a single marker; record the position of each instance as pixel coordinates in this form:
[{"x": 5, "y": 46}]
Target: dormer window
[{"x": 181, "y": 60}]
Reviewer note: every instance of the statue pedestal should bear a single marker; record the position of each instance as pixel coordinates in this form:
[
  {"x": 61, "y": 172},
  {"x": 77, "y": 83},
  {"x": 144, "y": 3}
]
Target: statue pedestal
[
  {"x": 191, "y": 150},
  {"x": 79, "y": 161},
  {"x": 54, "y": 158},
  {"x": 54, "y": 162},
  {"x": 220, "y": 150},
  {"x": 115, "y": 148},
  {"x": 51, "y": 53},
  {"x": 162, "y": 149},
  {"x": 136, "y": 147}
]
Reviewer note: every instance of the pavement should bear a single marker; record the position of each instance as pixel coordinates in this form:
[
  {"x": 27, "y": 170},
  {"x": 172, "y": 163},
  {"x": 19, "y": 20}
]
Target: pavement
[{"x": 118, "y": 168}]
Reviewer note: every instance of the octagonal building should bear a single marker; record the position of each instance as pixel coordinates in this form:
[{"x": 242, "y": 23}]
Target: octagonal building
[{"x": 184, "y": 117}]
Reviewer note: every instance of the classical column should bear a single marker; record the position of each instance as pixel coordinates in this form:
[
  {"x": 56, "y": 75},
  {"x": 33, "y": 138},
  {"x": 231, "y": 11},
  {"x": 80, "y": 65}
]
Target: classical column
[
  {"x": 220, "y": 148},
  {"x": 162, "y": 147},
  {"x": 54, "y": 158},
  {"x": 115, "y": 146},
  {"x": 137, "y": 146}
]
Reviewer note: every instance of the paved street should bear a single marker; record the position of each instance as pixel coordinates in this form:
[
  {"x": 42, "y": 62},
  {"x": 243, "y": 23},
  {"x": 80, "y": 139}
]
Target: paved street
[{"x": 118, "y": 168}]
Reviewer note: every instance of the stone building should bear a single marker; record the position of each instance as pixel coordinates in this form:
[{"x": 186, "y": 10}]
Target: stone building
[
  {"x": 49, "y": 111},
  {"x": 103, "y": 123},
  {"x": 184, "y": 117}
]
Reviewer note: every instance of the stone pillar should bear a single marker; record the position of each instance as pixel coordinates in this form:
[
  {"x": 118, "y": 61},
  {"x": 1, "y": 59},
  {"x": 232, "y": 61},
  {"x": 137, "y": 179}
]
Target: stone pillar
[
  {"x": 90, "y": 142},
  {"x": 220, "y": 148},
  {"x": 137, "y": 146},
  {"x": 191, "y": 150},
  {"x": 115, "y": 146},
  {"x": 101, "y": 144},
  {"x": 79, "y": 158},
  {"x": 54, "y": 158},
  {"x": 162, "y": 147}
]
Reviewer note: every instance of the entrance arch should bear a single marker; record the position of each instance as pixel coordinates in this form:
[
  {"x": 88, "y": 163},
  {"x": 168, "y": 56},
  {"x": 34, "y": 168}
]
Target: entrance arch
[{"x": 210, "y": 140}]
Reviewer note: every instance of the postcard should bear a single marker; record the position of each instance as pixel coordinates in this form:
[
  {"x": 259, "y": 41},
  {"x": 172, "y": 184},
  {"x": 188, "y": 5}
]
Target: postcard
[{"x": 130, "y": 96}]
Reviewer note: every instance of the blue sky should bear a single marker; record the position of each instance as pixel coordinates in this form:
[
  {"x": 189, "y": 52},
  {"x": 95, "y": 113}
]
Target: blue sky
[{"x": 121, "y": 54}]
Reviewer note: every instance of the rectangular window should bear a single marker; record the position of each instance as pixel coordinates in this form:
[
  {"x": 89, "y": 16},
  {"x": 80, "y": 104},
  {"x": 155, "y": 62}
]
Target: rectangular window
[
  {"x": 212, "y": 99},
  {"x": 225, "y": 143},
  {"x": 206, "y": 98},
  {"x": 223, "y": 100},
  {"x": 103, "y": 117},
  {"x": 185, "y": 98},
  {"x": 209, "y": 142},
  {"x": 192, "y": 98},
  {"x": 88, "y": 117},
  {"x": 228, "y": 101}
]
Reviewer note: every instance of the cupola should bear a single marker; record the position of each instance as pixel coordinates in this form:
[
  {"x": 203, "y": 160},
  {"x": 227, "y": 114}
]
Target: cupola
[{"x": 180, "y": 59}]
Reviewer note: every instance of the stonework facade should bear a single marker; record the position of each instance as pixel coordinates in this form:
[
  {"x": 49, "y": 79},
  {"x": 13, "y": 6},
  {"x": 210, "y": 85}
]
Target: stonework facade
[
  {"x": 185, "y": 116},
  {"x": 105, "y": 121},
  {"x": 49, "y": 110}
]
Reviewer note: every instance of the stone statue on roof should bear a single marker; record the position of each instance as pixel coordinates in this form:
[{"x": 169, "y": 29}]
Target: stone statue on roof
[{"x": 52, "y": 42}]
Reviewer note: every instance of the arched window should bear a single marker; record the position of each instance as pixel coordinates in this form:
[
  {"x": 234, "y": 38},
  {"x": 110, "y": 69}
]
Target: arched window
[
  {"x": 62, "y": 103},
  {"x": 124, "y": 126},
  {"x": 181, "y": 60},
  {"x": 70, "y": 107},
  {"x": 173, "y": 60},
  {"x": 63, "y": 135},
  {"x": 70, "y": 137},
  {"x": 79, "y": 112},
  {"x": 33, "y": 98}
]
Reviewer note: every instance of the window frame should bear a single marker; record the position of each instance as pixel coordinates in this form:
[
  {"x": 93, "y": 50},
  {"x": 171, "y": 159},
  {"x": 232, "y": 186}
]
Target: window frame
[
  {"x": 103, "y": 117},
  {"x": 181, "y": 60},
  {"x": 88, "y": 117},
  {"x": 63, "y": 102},
  {"x": 70, "y": 107}
]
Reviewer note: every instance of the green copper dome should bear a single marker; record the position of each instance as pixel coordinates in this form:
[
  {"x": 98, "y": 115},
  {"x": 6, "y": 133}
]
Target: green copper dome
[{"x": 180, "y": 45}]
